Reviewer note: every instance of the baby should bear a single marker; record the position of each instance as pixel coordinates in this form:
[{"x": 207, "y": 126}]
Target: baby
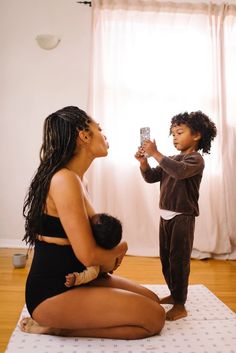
[{"x": 107, "y": 231}]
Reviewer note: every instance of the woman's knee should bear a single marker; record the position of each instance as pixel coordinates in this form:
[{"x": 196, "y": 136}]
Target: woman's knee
[
  {"x": 156, "y": 321},
  {"x": 161, "y": 319}
]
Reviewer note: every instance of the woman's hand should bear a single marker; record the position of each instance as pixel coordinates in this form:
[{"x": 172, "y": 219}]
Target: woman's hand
[
  {"x": 111, "y": 266},
  {"x": 117, "y": 262},
  {"x": 119, "y": 258}
]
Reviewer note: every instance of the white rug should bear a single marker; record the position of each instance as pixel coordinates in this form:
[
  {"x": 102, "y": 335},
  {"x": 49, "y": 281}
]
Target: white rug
[{"x": 210, "y": 327}]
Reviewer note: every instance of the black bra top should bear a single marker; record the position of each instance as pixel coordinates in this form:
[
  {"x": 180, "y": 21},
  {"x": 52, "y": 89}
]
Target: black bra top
[{"x": 51, "y": 226}]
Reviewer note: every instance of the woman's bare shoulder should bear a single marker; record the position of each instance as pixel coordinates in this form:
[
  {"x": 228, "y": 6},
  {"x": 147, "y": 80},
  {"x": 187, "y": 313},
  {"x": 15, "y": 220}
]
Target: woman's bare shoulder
[
  {"x": 65, "y": 184},
  {"x": 65, "y": 176}
]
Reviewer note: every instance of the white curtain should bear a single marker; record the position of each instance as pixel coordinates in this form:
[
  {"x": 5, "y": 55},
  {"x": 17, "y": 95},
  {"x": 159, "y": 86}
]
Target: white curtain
[{"x": 152, "y": 60}]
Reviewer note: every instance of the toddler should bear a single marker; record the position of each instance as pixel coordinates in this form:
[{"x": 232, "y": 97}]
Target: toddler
[{"x": 180, "y": 177}]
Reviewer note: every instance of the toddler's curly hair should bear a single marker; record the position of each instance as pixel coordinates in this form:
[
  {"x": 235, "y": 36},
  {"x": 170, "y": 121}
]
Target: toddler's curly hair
[{"x": 197, "y": 122}]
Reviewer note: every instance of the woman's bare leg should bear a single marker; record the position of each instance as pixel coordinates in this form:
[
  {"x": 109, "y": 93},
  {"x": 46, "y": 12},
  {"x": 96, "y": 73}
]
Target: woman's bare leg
[
  {"x": 99, "y": 312},
  {"x": 126, "y": 284}
]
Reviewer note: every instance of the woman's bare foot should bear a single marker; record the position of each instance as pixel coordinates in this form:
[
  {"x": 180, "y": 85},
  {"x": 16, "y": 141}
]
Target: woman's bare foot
[
  {"x": 167, "y": 300},
  {"x": 28, "y": 325},
  {"x": 177, "y": 312}
]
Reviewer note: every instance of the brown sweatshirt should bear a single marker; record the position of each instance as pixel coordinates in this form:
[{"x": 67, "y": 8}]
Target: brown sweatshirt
[{"x": 180, "y": 177}]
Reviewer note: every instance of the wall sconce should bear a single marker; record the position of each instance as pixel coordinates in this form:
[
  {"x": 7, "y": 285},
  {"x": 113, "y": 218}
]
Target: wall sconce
[{"x": 47, "y": 41}]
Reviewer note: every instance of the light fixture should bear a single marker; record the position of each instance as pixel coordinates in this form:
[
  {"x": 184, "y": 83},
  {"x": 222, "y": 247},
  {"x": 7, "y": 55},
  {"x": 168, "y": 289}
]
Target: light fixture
[{"x": 47, "y": 41}]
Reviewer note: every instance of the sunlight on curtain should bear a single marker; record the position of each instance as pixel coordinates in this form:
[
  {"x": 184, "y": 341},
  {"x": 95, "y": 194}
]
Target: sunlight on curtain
[{"x": 147, "y": 67}]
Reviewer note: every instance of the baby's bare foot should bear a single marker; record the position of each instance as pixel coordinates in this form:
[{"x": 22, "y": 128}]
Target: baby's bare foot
[
  {"x": 177, "y": 312},
  {"x": 28, "y": 325},
  {"x": 167, "y": 300},
  {"x": 70, "y": 279}
]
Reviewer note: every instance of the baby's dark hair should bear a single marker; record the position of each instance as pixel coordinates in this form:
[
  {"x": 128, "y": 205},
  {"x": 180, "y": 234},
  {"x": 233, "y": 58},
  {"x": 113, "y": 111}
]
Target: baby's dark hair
[
  {"x": 107, "y": 230},
  {"x": 197, "y": 122}
]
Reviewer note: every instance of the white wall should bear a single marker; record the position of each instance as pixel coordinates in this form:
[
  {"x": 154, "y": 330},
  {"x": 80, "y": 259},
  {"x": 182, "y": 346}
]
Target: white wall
[{"x": 33, "y": 83}]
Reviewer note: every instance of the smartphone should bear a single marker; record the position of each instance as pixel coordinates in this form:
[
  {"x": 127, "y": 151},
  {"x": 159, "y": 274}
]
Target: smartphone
[{"x": 144, "y": 135}]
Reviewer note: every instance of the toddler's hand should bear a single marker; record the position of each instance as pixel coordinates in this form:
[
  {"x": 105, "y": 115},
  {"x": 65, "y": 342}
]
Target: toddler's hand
[
  {"x": 139, "y": 155},
  {"x": 150, "y": 147}
]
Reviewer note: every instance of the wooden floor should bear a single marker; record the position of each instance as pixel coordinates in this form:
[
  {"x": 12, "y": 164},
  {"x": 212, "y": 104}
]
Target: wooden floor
[{"x": 217, "y": 275}]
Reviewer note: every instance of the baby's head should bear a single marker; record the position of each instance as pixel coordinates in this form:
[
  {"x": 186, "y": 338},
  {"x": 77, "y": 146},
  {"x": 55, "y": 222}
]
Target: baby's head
[
  {"x": 107, "y": 230},
  {"x": 197, "y": 122}
]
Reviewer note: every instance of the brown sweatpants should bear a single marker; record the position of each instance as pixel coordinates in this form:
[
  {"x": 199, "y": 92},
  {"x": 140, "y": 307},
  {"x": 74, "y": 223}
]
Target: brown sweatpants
[{"x": 176, "y": 242}]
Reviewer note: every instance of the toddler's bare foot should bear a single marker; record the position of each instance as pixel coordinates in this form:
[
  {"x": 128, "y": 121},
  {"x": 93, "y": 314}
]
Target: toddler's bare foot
[
  {"x": 167, "y": 300},
  {"x": 28, "y": 325},
  {"x": 177, "y": 312}
]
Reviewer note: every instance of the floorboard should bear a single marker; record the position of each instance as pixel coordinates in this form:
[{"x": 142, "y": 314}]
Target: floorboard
[{"x": 217, "y": 275}]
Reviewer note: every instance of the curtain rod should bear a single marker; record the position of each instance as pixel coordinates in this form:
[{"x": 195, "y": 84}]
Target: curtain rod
[{"x": 85, "y": 2}]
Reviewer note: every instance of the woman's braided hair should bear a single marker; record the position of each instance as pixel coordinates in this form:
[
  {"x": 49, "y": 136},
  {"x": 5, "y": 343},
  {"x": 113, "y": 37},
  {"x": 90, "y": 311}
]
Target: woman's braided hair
[
  {"x": 197, "y": 122},
  {"x": 59, "y": 143}
]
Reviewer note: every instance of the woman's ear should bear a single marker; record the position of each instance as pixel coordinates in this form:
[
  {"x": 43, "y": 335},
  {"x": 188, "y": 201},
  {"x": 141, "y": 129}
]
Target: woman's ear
[{"x": 84, "y": 136}]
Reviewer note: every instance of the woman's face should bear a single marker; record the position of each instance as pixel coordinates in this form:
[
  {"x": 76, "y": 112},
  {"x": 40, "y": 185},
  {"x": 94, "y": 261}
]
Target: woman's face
[{"x": 98, "y": 141}]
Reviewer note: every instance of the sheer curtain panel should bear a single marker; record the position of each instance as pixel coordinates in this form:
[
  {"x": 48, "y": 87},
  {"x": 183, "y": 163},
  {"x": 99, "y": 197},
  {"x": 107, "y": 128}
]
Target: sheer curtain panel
[{"x": 152, "y": 60}]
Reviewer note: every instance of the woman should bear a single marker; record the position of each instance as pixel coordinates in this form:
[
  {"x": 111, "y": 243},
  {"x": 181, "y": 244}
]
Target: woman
[{"x": 57, "y": 211}]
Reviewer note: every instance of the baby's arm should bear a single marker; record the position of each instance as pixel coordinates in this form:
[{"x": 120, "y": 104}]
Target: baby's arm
[{"x": 78, "y": 278}]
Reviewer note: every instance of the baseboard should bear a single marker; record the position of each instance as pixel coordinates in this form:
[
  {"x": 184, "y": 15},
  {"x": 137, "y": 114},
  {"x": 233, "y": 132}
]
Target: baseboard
[{"x": 12, "y": 243}]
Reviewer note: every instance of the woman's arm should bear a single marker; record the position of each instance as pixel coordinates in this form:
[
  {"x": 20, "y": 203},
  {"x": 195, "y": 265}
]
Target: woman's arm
[{"x": 66, "y": 191}]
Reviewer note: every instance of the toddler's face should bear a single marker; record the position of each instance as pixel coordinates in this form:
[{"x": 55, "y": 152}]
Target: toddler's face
[{"x": 183, "y": 138}]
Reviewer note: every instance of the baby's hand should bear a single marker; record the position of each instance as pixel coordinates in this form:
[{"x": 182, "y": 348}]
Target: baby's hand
[{"x": 70, "y": 280}]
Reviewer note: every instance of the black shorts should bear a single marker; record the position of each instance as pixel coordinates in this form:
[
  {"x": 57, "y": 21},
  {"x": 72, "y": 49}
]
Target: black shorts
[{"x": 46, "y": 278}]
